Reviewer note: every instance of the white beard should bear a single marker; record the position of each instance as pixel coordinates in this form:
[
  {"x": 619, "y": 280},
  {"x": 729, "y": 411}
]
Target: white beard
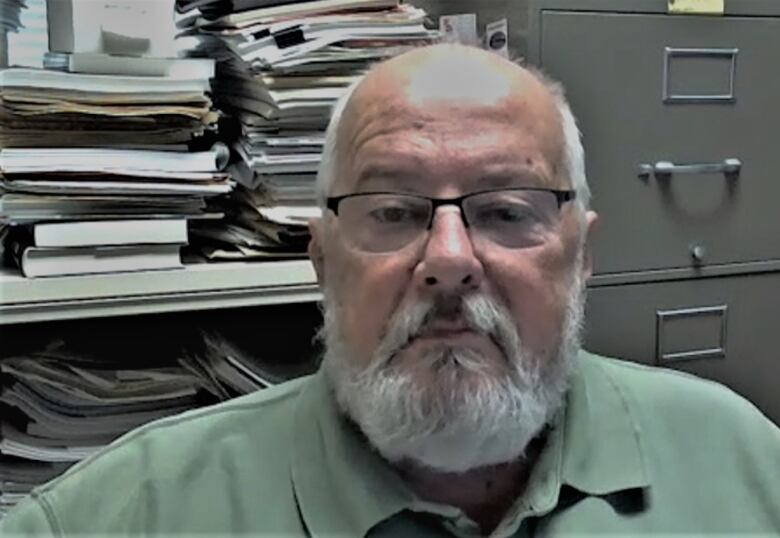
[{"x": 471, "y": 417}]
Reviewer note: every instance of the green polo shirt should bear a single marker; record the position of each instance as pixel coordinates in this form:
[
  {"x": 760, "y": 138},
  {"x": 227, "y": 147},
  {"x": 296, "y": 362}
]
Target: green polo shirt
[{"x": 635, "y": 451}]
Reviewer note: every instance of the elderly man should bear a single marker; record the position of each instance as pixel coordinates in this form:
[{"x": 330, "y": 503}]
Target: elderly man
[{"x": 453, "y": 398}]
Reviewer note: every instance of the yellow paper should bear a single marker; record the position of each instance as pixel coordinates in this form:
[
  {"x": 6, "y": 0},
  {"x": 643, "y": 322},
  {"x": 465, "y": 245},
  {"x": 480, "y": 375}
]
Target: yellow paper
[{"x": 701, "y": 7}]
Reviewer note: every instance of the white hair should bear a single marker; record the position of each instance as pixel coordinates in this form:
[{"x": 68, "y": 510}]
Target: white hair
[
  {"x": 327, "y": 171},
  {"x": 573, "y": 154},
  {"x": 470, "y": 415}
]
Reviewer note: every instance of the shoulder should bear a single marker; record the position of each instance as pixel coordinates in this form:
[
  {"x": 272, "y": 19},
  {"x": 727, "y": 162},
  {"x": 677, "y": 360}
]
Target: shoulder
[
  {"x": 673, "y": 403},
  {"x": 175, "y": 468},
  {"x": 700, "y": 443}
]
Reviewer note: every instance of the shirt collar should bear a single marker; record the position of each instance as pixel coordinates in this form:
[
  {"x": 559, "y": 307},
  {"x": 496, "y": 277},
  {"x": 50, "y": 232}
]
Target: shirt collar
[
  {"x": 343, "y": 487},
  {"x": 603, "y": 450}
]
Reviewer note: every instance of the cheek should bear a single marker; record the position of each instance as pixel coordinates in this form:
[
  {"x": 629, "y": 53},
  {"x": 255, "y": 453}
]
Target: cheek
[
  {"x": 369, "y": 289},
  {"x": 535, "y": 288}
]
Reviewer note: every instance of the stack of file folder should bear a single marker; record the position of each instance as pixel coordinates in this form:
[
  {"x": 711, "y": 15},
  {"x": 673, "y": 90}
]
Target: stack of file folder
[
  {"x": 117, "y": 152},
  {"x": 281, "y": 67}
]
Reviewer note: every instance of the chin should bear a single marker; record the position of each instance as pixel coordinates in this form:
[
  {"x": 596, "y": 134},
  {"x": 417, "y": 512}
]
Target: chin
[
  {"x": 438, "y": 359},
  {"x": 459, "y": 452},
  {"x": 459, "y": 428},
  {"x": 444, "y": 382},
  {"x": 448, "y": 410}
]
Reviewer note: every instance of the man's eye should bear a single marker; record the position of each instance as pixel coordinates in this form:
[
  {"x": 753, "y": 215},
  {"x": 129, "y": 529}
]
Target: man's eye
[
  {"x": 506, "y": 214},
  {"x": 392, "y": 215}
]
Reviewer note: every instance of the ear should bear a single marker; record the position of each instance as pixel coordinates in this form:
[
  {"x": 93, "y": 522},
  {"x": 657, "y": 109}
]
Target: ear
[
  {"x": 315, "y": 250},
  {"x": 591, "y": 220}
]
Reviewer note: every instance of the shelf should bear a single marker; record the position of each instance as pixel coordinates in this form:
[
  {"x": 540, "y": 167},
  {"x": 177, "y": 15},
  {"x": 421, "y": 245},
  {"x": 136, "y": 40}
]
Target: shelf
[{"x": 196, "y": 287}]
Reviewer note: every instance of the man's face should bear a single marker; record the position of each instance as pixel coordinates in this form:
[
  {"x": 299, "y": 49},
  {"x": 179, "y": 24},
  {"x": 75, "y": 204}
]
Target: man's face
[
  {"x": 445, "y": 152},
  {"x": 449, "y": 148}
]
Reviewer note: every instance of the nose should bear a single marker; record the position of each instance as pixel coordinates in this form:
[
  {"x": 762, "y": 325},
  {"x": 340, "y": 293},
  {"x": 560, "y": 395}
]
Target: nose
[{"x": 449, "y": 264}]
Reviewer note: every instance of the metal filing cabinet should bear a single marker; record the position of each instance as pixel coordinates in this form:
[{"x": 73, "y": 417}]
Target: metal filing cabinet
[{"x": 680, "y": 117}]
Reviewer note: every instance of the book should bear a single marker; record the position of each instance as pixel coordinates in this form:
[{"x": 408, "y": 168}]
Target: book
[
  {"x": 120, "y": 161},
  {"x": 107, "y": 64},
  {"x": 45, "y": 262},
  {"x": 115, "y": 188},
  {"x": 31, "y": 208},
  {"x": 109, "y": 232},
  {"x": 22, "y": 77}
]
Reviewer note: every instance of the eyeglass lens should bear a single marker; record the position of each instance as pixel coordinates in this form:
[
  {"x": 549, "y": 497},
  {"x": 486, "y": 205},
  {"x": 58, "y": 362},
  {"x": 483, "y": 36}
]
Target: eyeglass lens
[{"x": 510, "y": 218}]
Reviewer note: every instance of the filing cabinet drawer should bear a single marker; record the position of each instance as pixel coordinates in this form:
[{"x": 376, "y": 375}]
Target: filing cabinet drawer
[
  {"x": 723, "y": 329},
  {"x": 679, "y": 118}
]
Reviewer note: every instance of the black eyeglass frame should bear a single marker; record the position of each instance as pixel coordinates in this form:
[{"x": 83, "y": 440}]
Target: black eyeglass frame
[{"x": 561, "y": 196}]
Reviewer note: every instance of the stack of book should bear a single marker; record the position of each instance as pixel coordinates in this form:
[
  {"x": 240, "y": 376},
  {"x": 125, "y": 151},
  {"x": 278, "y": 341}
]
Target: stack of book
[
  {"x": 281, "y": 67},
  {"x": 99, "y": 210},
  {"x": 118, "y": 149}
]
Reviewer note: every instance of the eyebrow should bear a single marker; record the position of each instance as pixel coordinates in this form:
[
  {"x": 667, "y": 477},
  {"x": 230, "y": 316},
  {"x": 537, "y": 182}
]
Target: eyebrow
[
  {"x": 379, "y": 173},
  {"x": 408, "y": 179},
  {"x": 508, "y": 179}
]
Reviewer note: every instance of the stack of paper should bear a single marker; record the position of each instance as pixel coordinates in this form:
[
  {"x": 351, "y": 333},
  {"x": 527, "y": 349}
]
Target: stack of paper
[
  {"x": 57, "y": 408},
  {"x": 100, "y": 210},
  {"x": 281, "y": 67},
  {"x": 107, "y": 171},
  {"x": 42, "y": 108},
  {"x": 117, "y": 147},
  {"x": 64, "y": 397},
  {"x": 19, "y": 476},
  {"x": 255, "y": 229},
  {"x": 235, "y": 371}
]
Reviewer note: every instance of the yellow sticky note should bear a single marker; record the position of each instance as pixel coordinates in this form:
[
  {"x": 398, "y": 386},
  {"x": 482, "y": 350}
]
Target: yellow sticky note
[{"x": 700, "y": 7}]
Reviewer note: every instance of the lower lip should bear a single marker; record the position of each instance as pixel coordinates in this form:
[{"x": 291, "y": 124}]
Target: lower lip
[{"x": 449, "y": 335}]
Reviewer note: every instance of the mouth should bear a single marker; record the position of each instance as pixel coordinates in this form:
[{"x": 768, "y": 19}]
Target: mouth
[
  {"x": 453, "y": 335},
  {"x": 444, "y": 330},
  {"x": 439, "y": 331}
]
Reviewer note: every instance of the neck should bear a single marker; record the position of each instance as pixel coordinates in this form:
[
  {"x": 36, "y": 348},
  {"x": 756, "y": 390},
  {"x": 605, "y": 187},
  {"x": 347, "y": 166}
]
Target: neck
[{"x": 484, "y": 494}]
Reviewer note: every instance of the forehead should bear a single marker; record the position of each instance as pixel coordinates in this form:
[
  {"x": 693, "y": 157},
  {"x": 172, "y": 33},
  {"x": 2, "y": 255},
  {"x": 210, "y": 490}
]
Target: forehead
[{"x": 400, "y": 138}]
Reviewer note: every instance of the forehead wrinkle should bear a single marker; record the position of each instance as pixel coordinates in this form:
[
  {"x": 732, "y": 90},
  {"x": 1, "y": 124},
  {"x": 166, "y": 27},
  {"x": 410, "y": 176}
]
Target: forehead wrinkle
[
  {"x": 441, "y": 122},
  {"x": 477, "y": 156}
]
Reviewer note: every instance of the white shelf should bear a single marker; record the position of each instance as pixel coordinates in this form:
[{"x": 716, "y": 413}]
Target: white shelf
[{"x": 197, "y": 287}]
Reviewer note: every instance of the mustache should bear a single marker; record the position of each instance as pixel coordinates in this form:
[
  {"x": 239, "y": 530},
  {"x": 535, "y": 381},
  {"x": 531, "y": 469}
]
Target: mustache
[{"x": 477, "y": 312}]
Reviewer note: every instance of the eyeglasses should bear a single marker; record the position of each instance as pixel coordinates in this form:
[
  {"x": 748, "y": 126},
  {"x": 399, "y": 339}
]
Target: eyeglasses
[{"x": 383, "y": 222}]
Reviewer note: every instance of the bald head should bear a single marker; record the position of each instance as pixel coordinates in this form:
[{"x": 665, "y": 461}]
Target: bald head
[
  {"x": 450, "y": 73},
  {"x": 449, "y": 82}
]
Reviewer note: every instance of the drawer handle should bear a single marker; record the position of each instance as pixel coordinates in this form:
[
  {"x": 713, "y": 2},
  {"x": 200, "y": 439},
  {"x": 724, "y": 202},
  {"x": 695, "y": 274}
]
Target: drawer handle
[
  {"x": 665, "y": 321},
  {"x": 707, "y": 57},
  {"x": 663, "y": 169}
]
